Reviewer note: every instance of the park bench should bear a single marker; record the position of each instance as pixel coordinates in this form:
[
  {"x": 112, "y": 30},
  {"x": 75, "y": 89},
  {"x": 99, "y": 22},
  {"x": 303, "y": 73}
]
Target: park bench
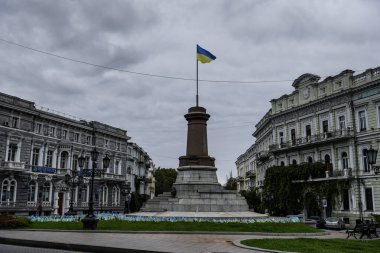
[{"x": 367, "y": 229}]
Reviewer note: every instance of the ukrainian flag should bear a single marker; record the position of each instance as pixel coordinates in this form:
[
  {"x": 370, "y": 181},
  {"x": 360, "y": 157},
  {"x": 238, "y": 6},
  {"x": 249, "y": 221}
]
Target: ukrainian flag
[{"x": 204, "y": 56}]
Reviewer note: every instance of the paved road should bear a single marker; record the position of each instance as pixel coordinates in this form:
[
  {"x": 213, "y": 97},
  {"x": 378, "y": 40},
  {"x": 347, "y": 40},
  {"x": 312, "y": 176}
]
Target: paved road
[
  {"x": 178, "y": 243},
  {"x": 4, "y": 248}
]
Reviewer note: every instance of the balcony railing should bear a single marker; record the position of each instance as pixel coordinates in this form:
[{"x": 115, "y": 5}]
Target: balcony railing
[
  {"x": 250, "y": 174},
  {"x": 240, "y": 179},
  {"x": 312, "y": 140},
  {"x": 262, "y": 155},
  {"x": 11, "y": 165}
]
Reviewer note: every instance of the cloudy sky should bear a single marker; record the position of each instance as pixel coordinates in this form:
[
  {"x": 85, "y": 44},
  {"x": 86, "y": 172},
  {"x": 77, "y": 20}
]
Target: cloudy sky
[{"x": 254, "y": 41}]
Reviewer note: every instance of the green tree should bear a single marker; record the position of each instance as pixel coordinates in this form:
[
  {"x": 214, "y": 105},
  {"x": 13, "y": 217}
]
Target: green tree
[
  {"x": 165, "y": 179},
  {"x": 231, "y": 183},
  {"x": 253, "y": 198},
  {"x": 282, "y": 196}
]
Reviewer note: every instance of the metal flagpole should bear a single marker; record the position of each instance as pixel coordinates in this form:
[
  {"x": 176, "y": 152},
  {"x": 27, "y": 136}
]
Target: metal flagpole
[{"x": 197, "y": 99}]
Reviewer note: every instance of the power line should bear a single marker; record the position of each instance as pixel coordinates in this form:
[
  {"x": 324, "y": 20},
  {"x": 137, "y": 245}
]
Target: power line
[{"x": 135, "y": 72}]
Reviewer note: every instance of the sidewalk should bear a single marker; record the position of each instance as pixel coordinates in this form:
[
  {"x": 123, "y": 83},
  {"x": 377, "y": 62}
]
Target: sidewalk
[{"x": 129, "y": 242}]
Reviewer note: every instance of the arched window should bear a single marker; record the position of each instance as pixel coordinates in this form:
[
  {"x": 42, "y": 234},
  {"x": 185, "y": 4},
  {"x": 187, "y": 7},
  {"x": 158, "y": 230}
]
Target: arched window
[
  {"x": 103, "y": 195},
  {"x": 8, "y": 190},
  {"x": 344, "y": 160},
  {"x": 365, "y": 160},
  {"x": 46, "y": 192},
  {"x": 115, "y": 196},
  {"x": 129, "y": 170},
  {"x": 64, "y": 159},
  {"x": 282, "y": 163},
  {"x": 4, "y": 190},
  {"x": 32, "y": 190},
  {"x": 294, "y": 162},
  {"x": 310, "y": 159},
  {"x": 327, "y": 162}
]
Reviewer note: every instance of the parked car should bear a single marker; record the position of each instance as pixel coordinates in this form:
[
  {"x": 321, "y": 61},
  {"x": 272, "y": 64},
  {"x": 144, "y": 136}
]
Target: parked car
[
  {"x": 335, "y": 222},
  {"x": 319, "y": 223}
]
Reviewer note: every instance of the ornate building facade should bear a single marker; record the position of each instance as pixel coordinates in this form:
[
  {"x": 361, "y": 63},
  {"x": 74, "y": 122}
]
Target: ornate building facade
[
  {"x": 38, "y": 149},
  {"x": 334, "y": 121}
]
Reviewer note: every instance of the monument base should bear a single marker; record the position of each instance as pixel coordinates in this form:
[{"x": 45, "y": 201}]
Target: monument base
[{"x": 197, "y": 190}]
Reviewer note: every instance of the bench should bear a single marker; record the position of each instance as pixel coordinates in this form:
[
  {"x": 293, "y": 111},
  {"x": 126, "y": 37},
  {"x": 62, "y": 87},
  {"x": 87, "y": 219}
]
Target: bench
[{"x": 363, "y": 229}]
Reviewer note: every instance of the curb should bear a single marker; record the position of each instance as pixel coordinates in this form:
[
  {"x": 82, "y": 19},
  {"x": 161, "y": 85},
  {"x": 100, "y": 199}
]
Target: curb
[
  {"x": 72, "y": 247},
  {"x": 178, "y": 232},
  {"x": 238, "y": 244}
]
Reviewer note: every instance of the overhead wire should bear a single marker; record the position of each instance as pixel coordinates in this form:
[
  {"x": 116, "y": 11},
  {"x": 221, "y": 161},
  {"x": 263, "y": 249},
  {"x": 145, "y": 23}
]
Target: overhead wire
[{"x": 136, "y": 72}]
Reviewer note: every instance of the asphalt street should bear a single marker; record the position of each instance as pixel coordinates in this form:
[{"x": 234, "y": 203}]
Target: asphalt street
[{"x": 4, "y": 248}]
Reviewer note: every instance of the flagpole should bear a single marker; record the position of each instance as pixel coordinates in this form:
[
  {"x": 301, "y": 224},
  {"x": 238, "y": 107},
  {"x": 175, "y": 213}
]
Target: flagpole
[{"x": 197, "y": 98}]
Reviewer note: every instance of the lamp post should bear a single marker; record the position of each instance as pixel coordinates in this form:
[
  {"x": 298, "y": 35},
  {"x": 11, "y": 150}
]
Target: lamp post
[
  {"x": 127, "y": 193},
  {"x": 73, "y": 181},
  {"x": 90, "y": 221}
]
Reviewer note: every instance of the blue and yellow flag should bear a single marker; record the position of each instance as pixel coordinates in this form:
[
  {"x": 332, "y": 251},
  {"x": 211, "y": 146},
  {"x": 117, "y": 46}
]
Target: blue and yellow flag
[{"x": 204, "y": 56}]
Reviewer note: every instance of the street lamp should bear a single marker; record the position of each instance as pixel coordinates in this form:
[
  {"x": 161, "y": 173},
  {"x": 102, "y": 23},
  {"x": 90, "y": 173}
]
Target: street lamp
[
  {"x": 127, "y": 193},
  {"x": 73, "y": 181},
  {"x": 90, "y": 221}
]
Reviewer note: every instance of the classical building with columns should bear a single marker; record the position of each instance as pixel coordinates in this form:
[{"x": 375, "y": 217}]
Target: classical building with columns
[
  {"x": 39, "y": 147},
  {"x": 335, "y": 121}
]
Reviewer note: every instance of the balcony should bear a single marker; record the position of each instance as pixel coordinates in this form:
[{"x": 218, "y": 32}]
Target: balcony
[
  {"x": 14, "y": 166},
  {"x": 262, "y": 156},
  {"x": 40, "y": 169},
  {"x": 312, "y": 140},
  {"x": 250, "y": 174},
  {"x": 240, "y": 179}
]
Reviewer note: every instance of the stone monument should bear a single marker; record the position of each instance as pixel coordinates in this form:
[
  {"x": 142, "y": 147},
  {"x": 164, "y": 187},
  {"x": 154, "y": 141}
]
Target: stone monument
[{"x": 196, "y": 188}]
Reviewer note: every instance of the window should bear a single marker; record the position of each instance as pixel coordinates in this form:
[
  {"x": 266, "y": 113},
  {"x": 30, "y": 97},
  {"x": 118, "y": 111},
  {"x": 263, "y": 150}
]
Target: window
[
  {"x": 281, "y": 137},
  {"x": 362, "y": 121},
  {"x": 325, "y": 126},
  {"x": 293, "y": 136},
  {"x": 14, "y": 122},
  {"x": 328, "y": 163},
  {"x": 88, "y": 139},
  {"x": 323, "y": 90},
  {"x": 76, "y": 137},
  {"x": 32, "y": 190},
  {"x": 342, "y": 122},
  {"x": 365, "y": 160},
  {"x": 115, "y": 196},
  {"x": 52, "y": 132},
  {"x": 106, "y": 143},
  {"x": 49, "y": 159},
  {"x": 64, "y": 159},
  {"x": 129, "y": 151},
  {"x": 368, "y": 199},
  {"x": 8, "y": 190},
  {"x": 294, "y": 162},
  {"x": 87, "y": 162},
  {"x": 103, "y": 195},
  {"x": 46, "y": 192},
  {"x": 75, "y": 162},
  {"x": 83, "y": 195},
  {"x": 118, "y": 146},
  {"x": 12, "y": 150},
  {"x": 117, "y": 170},
  {"x": 344, "y": 160},
  {"x": 308, "y": 131},
  {"x": 64, "y": 134},
  {"x": 38, "y": 128},
  {"x": 282, "y": 163},
  {"x": 310, "y": 159},
  {"x": 129, "y": 171},
  {"x": 35, "y": 156}
]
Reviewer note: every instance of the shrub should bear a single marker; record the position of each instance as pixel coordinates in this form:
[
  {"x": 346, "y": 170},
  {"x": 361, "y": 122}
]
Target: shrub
[{"x": 8, "y": 221}]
